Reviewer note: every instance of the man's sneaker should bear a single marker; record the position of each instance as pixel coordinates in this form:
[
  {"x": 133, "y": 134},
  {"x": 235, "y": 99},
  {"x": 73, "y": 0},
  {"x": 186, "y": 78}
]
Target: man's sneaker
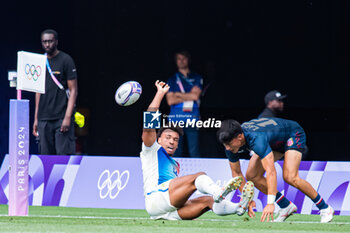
[
  {"x": 284, "y": 213},
  {"x": 232, "y": 184},
  {"x": 327, "y": 214},
  {"x": 247, "y": 196}
]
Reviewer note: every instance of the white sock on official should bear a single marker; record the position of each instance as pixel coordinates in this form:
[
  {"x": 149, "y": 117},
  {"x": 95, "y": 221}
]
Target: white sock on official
[
  {"x": 206, "y": 185},
  {"x": 225, "y": 207}
]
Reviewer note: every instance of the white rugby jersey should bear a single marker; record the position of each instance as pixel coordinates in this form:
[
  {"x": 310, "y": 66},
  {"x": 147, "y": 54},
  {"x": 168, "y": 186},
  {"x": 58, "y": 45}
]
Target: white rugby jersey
[{"x": 157, "y": 167}]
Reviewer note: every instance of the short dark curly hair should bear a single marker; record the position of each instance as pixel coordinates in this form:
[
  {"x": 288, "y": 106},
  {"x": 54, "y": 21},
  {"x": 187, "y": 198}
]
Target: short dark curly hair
[
  {"x": 50, "y": 31},
  {"x": 175, "y": 129},
  {"x": 229, "y": 130}
]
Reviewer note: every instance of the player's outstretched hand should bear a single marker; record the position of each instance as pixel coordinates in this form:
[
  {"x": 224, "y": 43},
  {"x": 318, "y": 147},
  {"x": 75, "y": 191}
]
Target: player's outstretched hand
[
  {"x": 267, "y": 213},
  {"x": 251, "y": 207},
  {"x": 162, "y": 87}
]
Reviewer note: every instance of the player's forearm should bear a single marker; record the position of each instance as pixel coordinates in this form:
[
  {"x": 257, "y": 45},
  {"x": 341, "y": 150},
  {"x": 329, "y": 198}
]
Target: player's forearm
[
  {"x": 271, "y": 180},
  {"x": 149, "y": 135},
  {"x": 154, "y": 106}
]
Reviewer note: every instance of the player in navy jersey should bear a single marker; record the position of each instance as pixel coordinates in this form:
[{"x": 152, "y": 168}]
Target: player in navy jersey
[
  {"x": 166, "y": 193},
  {"x": 268, "y": 140}
]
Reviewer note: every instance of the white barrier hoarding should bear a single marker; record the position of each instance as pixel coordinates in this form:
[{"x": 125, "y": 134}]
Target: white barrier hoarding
[{"x": 116, "y": 182}]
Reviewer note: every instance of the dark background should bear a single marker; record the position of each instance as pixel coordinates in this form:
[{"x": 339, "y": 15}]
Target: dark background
[{"x": 243, "y": 49}]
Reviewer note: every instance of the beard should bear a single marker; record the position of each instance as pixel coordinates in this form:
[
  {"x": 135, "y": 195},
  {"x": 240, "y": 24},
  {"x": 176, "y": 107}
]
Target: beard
[
  {"x": 278, "y": 110},
  {"x": 51, "y": 50}
]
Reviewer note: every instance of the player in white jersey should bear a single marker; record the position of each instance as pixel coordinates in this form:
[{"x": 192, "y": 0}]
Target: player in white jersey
[{"x": 166, "y": 194}]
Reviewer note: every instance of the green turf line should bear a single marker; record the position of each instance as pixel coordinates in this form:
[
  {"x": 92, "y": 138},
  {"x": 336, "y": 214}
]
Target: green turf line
[{"x": 64, "y": 219}]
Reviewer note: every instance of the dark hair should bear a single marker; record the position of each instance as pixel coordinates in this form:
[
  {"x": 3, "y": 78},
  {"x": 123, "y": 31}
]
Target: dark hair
[
  {"x": 229, "y": 130},
  {"x": 183, "y": 53},
  {"x": 50, "y": 31},
  {"x": 175, "y": 129}
]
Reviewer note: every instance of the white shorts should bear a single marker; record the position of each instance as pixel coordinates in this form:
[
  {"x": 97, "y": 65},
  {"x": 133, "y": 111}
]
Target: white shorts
[{"x": 158, "y": 203}]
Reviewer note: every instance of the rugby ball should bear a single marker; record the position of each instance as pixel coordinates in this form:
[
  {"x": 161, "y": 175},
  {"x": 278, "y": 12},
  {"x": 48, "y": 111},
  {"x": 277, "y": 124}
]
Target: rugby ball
[{"x": 128, "y": 93}]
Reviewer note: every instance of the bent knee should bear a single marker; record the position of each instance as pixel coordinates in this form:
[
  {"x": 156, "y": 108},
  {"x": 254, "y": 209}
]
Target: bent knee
[
  {"x": 249, "y": 176},
  {"x": 291, "y": 179},
  {"x": 199, "y": 174},
  {"x": 206, "y": 201},
  {"x": 196, "y": 175},
  {"x": 252, "y": 176}
]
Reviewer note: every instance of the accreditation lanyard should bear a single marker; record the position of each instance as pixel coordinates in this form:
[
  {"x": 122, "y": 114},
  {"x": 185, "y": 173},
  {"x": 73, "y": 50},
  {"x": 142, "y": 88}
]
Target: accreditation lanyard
[{"x": 53, "y": 76}]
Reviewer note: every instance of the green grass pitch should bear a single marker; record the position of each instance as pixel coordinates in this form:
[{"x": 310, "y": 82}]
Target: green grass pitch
[{"x": 64, "y": 219}]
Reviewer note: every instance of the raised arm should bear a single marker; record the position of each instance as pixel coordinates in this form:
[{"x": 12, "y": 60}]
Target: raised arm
[{"x": 149, "y": 135}]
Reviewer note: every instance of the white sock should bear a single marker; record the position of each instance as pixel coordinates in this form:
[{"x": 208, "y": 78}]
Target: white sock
[
  {"x": 225, "y": 207},
  {"x": 206, "y": 185}
]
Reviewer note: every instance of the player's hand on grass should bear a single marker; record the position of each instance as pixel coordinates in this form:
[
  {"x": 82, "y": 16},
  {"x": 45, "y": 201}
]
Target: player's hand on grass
[
  {"x": 251, "y": 207},
  {"x": 162, "y": 87},
  {"x": 267, "y": 213}
]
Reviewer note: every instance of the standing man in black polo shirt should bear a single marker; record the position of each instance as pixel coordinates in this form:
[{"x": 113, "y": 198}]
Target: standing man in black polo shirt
[
  {"x": 274, "y": 104},
  {"x": 54, "y": 110}
]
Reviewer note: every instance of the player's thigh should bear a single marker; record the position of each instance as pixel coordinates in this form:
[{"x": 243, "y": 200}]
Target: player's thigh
[
  {"x": 158, "y": 206},
  {"x": 181, "y": 188},
  {"x": 255, "y": 168},
  {"x": 292, "y": 159},
  {"x": 184, "y": 181},
  {"x": 277, "y": 155},
  {"x": 158, "y": 203},
  {"x": 195, "y": 207}
]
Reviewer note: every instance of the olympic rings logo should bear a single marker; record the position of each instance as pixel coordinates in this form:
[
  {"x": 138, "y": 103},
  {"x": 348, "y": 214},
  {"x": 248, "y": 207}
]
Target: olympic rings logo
[
  {"x": 110, "y": 184},
  {"x": 32, "y": 72}
]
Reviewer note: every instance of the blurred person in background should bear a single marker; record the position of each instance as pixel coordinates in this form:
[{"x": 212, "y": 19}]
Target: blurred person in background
[
  {"x": 183, "y": 99},
  {"x": 54, "y": 110},
  {"x": 274, "y": 104}
]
